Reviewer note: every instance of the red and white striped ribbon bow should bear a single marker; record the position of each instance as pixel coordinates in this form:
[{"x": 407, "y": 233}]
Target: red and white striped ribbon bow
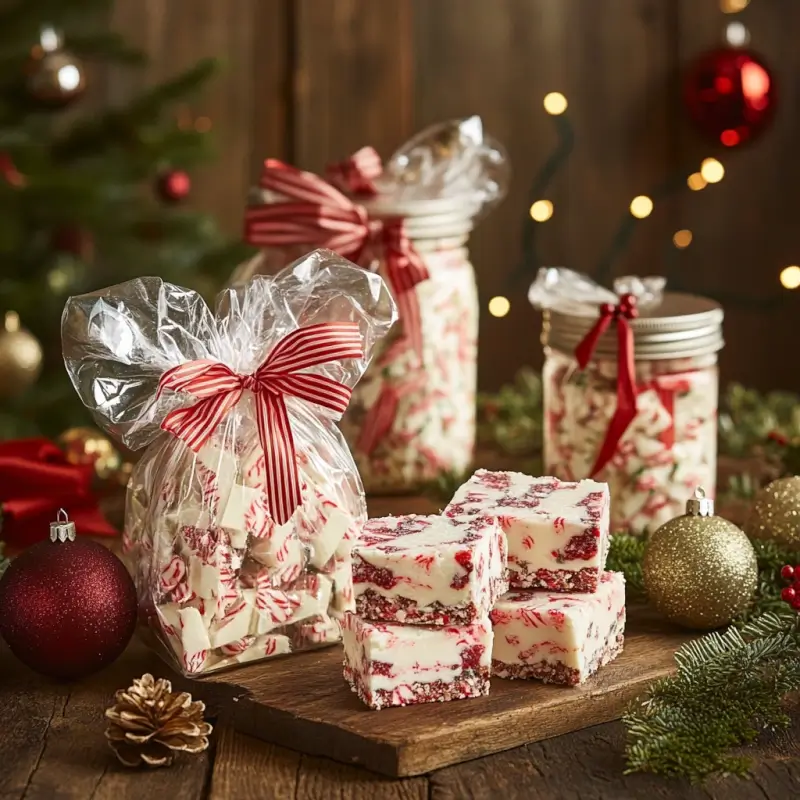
[
  {"x": 218, "y": 389},
  {"x": 357, "y": 174},
  {"x": 318, "y": 215}
]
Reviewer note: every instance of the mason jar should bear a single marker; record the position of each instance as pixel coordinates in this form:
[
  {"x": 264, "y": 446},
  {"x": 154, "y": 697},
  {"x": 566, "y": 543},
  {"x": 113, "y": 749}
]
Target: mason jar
[
  {"x": 423, "y": 404},
  {"x": 411, "y": 417},
  {"x": 670, "y": 447}
]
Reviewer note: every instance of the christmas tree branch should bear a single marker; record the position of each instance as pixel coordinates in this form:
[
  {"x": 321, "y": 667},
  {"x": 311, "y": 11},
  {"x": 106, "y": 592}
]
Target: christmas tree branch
[
  {"x": 122, "y": 127},
  {"x": 106, "y": 46},
  {"x": 728, "y": 688}
]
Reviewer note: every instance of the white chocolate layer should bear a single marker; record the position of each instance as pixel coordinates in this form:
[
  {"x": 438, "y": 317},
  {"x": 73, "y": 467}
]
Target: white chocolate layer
[
  {"x": 574, "y": 630},
  {"x": 389, "y": 656},
  {"x": 551, "y": 525},
  {"x": 431, "y": 561}
]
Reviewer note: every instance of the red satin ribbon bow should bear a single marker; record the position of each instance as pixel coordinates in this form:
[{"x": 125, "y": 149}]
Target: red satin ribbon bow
[
  {"x": 218, "y": 389},
  {"x": 357, "y": 174},
  {"x": 319, "y": 215},
  {"x": 625, "y": 412}
]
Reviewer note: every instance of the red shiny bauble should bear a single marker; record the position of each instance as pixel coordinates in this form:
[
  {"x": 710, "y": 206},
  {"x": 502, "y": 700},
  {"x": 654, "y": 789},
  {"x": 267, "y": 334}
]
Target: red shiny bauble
[
  {"x": 787, "y": 572},
  {"x": 68, "y": 608},
  {"x": 73, "y": 240},
  {"x": 174, "y": 186},
  {"x": 730, "y": 96}
]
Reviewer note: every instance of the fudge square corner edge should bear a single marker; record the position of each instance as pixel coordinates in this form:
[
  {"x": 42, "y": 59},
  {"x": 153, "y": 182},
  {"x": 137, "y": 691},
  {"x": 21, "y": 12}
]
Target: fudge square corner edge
[{"x": 429, "y": 570}]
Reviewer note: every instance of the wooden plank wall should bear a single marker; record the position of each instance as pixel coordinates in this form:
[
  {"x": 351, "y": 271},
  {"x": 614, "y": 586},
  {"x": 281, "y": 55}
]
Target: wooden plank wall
[{"x": 312, "y": 80}]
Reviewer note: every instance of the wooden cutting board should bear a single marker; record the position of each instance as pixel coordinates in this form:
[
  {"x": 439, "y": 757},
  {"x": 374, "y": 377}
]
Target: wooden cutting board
[{"x": 302, "y": 702}]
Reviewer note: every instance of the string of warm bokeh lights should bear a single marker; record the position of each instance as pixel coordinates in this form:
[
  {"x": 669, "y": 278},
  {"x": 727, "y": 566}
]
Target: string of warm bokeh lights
[
  {"x": 711, "y": 171},
  {"x": 554, "y": 104}
]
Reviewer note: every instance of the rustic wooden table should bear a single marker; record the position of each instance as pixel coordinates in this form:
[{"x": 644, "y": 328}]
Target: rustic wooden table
[{"x": 52, "y": 747}]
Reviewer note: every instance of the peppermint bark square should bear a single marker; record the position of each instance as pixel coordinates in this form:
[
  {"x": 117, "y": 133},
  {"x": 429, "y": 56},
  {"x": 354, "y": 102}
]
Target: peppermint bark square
[
  {"x": 559, "y": 638},
  {"x": 558, "y": 531},
  {"x": 429, "y": 570},
  {"x": 402, "y": 665}
]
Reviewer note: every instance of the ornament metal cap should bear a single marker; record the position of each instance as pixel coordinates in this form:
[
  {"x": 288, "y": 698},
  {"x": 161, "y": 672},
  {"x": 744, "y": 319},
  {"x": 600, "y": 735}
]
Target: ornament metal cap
[
  {"x": 700, "y": 505},
  {"x": 62, "y": 529}
]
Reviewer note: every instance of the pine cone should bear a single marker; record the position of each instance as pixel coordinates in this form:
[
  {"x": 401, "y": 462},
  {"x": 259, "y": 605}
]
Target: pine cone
[{"x": 149, "y": 722}]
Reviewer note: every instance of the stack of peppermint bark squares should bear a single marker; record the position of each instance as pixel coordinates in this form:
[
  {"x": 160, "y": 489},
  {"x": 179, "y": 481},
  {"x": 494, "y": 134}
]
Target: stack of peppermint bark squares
[
  {"x": 564, "y": 617},
  {"x": 424, "y": 587},
  {"x": 434, "y": 615}
]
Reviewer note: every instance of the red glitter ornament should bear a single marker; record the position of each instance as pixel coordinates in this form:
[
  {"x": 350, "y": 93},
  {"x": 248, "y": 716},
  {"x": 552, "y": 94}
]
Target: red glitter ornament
[
  {"x": 174, "y": 186},
  {"x": 730, "y": 96},
  {"x": 67, "y": 607}
]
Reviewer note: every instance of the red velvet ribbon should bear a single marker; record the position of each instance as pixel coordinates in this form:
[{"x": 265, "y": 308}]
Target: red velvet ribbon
[
  {"x": 357, "y": 174},
  {"x": 35, "y": 481},
  {"x": 625, "y": 411}
]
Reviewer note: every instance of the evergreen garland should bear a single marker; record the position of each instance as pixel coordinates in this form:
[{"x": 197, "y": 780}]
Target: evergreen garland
[
  {"x": 626, "y": 555},
  {"x": 729, "y": 687}
]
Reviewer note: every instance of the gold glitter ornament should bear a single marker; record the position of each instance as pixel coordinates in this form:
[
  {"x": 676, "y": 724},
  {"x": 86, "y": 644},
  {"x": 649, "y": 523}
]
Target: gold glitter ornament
[
  {"x": 699, "y": 569},
  {"x": 20, "y": 357},
  {"x": 775, "y": 514}
]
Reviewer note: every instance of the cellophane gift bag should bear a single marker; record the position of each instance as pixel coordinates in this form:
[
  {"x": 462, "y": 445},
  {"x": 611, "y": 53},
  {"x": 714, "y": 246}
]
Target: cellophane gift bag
[
  {"x": 412, "y": 418},
  {"x": 243, "y": 508}
]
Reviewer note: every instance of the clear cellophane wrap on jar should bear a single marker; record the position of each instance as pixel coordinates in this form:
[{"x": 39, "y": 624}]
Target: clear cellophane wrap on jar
[
  {"x": 242, "y": 510},
  {"x": 668, "y": 447},
  {"x": 412, "y": 417}
]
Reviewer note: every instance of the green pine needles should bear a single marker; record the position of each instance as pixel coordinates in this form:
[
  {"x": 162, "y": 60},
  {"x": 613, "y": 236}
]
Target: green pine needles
[
  {"x": 729, "y": 687},
  {"x": 626, "y": 555}
]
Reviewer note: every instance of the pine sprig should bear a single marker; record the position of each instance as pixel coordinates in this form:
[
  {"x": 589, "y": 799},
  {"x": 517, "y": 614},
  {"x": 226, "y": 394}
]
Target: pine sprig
[
  {"x": 512, "y": 419},
  {"x": 747, "y": 418},
  {"x": 625, "y": 555},
  {"x": 728, "y": 688},
  {"x": 767, "y": 599}
]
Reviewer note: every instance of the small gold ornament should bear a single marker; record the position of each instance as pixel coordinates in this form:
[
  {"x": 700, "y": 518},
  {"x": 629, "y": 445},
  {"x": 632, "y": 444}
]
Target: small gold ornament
[
  {"x": 20, "y": 357},
  {"x": 54, "y": 77},
  {"x": 149, "y": 723},
  {"x": 775, "y": 513},
  {"x": 700, "y": 570},
  {"x": 89, "y": 446}
]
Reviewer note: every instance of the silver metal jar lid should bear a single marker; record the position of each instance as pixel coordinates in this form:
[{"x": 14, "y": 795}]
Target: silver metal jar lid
[
  {"x": 425, "y": 219},
  {"x": 439, "y": 218},
  {"x": 682, "y": 326}
]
